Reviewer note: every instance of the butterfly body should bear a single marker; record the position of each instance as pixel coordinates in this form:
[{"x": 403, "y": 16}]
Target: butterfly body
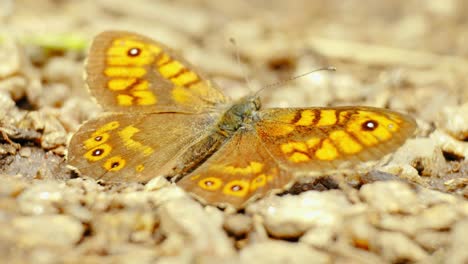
[
  {"x": 165, "y": 118},
  {"x": 241, "y": 114}
]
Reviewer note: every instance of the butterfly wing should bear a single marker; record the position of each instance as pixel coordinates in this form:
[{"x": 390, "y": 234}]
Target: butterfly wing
[
  {"x": 135, "y": 147},
  {"x": 239, "y": 171},
  {"x": 130, "y": 71},
  {"x": 323, "y": 139}
]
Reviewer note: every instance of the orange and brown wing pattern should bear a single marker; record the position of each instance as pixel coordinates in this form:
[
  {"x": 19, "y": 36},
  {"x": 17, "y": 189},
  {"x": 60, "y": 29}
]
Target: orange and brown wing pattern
[
  {"x": 121, "y": 147},
  {"x": 322, "y": 139},
  {"x": 239, "y": 171},
  {"x": 129, "y": 70}
]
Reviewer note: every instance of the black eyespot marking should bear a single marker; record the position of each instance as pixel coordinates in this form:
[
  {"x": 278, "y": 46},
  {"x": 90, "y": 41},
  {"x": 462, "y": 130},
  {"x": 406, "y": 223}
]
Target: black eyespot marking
[
  {"x": 133, "y": 52},
  {"x": 370, "y": 125},
  {"x": 209, "y": 183},
  {"x": 236, "y": 188},
  {"x": 98, "y": 152},
  {"x": 115, "y": 164},
  {"x": 98, "y": 138}
]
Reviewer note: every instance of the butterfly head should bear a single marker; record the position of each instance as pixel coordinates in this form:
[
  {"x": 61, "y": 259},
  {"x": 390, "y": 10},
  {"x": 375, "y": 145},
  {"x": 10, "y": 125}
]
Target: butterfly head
[
  {"x": 254, "y": 102},
  {"x": 246, "y": 108},
  {"x": 240, "y": 114}
]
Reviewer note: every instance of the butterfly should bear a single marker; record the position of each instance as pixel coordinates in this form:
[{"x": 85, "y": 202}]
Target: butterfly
[{"x": 163, "y": 117}]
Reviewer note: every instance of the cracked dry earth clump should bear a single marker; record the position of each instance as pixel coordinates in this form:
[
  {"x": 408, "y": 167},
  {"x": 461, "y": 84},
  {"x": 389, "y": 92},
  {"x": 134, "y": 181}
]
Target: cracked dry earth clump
[{"x": 411, "y": 207}]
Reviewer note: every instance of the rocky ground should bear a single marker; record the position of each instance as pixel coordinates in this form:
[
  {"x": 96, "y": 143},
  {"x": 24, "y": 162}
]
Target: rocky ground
[{"x": 410, "y": 56}]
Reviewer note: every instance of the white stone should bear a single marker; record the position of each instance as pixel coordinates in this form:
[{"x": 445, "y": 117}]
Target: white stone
[
  {"x": 271, "y": 252},
  {"x": 47, "y": 230},
  {"x": 292, "y": 215},
  {"x": 186, "y": 223},
  {"x": 396, "y": 246},
  {"x": 41, "y": 198},
  {"x": 390, "y": 197}
]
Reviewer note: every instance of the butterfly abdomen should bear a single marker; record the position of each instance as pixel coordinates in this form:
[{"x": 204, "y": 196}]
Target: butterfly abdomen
[
  {"x": 197, "y": 153},
  {"x": 237, "y": 116}
]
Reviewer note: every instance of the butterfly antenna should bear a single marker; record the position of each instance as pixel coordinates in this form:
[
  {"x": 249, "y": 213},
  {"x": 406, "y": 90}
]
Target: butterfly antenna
[
  {"x": 244, "y": 73},
  {"x": 276, "y": 84}
]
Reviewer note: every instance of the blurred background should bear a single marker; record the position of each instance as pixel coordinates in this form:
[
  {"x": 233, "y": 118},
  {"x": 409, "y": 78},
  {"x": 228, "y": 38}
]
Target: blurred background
[{"x": 416, "y": 49}]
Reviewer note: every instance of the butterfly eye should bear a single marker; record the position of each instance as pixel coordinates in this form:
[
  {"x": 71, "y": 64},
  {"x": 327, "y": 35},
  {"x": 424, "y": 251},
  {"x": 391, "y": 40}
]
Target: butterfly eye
[
  {"x": 370, "y": 125},
  {"x": 257, "y": 103},
  {"x": 98, "y": 138},
  {"x": 133, "y": 52}
]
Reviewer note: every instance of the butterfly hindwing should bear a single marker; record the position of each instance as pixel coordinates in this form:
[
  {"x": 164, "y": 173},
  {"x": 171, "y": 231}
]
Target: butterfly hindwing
[
  {"x": 130, "y": 71},
  {"x": 320, "y": 139},
  {"x": 239, "y": 171},
  {"x": 134, "y": 147}
]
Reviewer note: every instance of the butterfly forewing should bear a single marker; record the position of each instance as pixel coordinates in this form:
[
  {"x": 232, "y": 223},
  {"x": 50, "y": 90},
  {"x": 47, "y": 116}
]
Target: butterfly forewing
[
  {"x": 320, "y": 139},
  {"x": 134, "y": 147},
  {"x": 239, "y": 171},
  {"x": 129, "y": 71}
]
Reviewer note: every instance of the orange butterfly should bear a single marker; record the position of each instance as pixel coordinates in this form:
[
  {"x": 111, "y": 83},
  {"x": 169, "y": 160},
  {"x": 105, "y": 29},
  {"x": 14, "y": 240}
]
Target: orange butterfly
[{"x": 165, "y": 118}]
